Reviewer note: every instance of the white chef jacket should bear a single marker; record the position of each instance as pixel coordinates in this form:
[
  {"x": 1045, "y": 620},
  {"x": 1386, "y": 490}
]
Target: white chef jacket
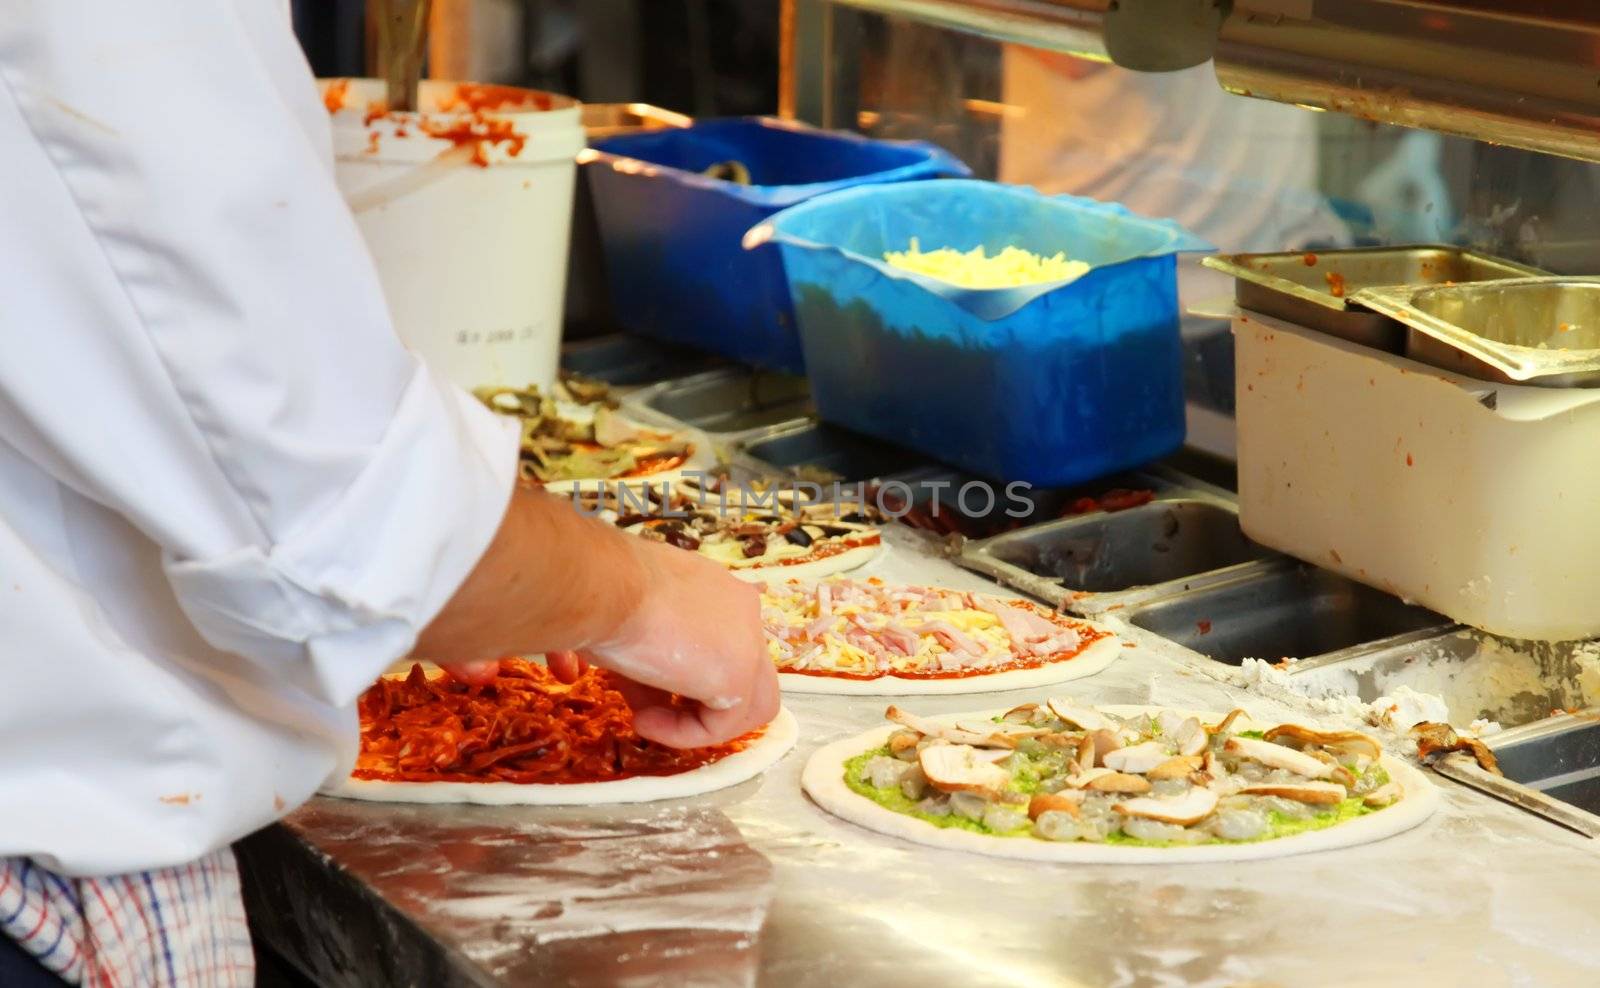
[{"x": 229, "y": 497}]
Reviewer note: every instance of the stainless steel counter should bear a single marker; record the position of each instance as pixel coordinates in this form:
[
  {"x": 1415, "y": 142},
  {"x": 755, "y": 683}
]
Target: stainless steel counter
[{"x": 756, "y": 885}]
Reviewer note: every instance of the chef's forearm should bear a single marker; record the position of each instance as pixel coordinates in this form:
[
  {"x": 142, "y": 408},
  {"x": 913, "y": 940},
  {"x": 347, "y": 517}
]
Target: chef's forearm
[{"x": 552, "y": 579}]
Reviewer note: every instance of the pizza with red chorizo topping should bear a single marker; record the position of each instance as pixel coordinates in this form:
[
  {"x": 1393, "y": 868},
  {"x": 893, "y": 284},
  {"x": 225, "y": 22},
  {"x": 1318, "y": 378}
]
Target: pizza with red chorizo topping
[
  {"x": 869, "y": 637},
  {"x": 525, "y": 737}
]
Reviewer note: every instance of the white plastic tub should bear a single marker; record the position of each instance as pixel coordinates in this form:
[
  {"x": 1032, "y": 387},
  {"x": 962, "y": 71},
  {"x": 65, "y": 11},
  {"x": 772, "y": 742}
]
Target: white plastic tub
[
  {"x": 1480, "y": 501},
  {"x": 470, "y": 233}
]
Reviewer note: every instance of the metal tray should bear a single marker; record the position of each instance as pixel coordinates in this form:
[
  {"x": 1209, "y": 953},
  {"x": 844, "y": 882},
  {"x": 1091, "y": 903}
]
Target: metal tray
[
  {"x": 1156, "y": 543},
  {"x": 1477, "y": 675},
  {"x": 1316, "y": 289},
  {"x": 732, "y": 401},
  {"x": 820, "y": 452},
  {"x": 1535, "y": 331},
  {"x": 1274, "y": 612},
  {"x": 941, "y": 506}
]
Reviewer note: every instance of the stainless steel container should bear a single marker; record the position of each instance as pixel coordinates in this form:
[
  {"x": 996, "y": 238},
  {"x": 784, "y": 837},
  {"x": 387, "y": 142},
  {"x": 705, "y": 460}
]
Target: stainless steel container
[
  {"x": 1314, "y": 289},
  {"x": 1535, "y": 331}
]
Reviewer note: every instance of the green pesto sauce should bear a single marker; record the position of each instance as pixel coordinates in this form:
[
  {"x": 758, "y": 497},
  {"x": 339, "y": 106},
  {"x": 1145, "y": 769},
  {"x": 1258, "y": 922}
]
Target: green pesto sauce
[{"x": 1027, "y": 780}]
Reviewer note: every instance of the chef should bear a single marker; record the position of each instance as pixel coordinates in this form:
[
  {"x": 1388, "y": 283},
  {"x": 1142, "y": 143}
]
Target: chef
[{"x": 229, "y": 497}]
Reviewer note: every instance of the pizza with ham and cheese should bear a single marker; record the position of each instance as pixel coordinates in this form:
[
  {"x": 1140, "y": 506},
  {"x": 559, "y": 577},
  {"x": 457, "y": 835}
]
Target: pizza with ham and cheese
[
  {"x": 868, "y": 637},
  {"x": 524, "y": 737}
]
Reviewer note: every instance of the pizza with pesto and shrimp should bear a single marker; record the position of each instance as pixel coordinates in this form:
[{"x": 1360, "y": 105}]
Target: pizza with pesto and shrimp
[
  {"x": 871, "y": 637},
  {"x": 1058, "y": 780}
]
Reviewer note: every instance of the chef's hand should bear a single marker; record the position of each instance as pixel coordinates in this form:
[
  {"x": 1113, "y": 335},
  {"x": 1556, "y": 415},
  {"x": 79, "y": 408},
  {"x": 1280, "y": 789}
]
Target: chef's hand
[{"x": 695, "y": 631}]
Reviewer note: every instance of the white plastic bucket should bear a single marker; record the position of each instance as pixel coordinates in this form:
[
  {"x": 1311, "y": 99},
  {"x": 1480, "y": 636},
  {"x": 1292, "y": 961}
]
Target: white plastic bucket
[{"x": 470, "y": 234}]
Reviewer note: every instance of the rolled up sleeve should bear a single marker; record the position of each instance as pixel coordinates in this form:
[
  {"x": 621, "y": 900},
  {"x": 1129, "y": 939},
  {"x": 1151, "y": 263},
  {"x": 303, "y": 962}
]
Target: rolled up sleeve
[{"x": 214, "y": 357}]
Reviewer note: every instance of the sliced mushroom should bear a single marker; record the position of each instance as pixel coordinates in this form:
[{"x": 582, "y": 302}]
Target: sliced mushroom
[
  {"x": 1105, "y": 742},
  {"x": 1080, "y": 717},
  {"x": 1084, "y": 760},
  {"x": 1353, "y": 742},
  {"x": 944, "y": 732},
  {"x": 1227, "y": 722},
  {"x": 1322, "y": 793},
  {"x": 1339, "y": 773},
  {"x": 1190, "y": 737},
  {"x": 1384, "y": 795},
  {"x": 899, "y": 741},
  {"x": 1053, "y": 802},
  {"x": 958, "y": 768},
  {"x": 1060, "y": 739},
  {"x": 1176, "y": 767},
  {"x": 1190, "y": 808},
  {"x": 1082, "y": 779},
  {"x": 1138, "y": 759},
  {"x": 1020, "y": 714},
  {"x": 1277, "y": 756},
  {"x": 1209, "y": 770},
  {"x": 1120, "y": 782}
]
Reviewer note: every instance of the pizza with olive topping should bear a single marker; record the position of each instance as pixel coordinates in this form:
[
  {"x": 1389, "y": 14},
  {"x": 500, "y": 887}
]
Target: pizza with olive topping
[
  {"x": 780, "y": 537},
  {"x": 1063, "y": 781}
]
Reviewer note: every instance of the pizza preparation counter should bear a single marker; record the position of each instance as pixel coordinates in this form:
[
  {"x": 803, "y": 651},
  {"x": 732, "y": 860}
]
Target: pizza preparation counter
[{"x": 757, "y": 885}]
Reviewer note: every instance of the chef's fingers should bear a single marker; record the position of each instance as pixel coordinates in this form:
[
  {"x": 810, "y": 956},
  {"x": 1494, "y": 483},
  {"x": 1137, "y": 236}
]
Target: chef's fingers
[
  {"x": 567, "y": 667},
  {"x": 698, "y": 725},
  {"x": 476, "y": 673},
  {"x": 641, "y": 697}
]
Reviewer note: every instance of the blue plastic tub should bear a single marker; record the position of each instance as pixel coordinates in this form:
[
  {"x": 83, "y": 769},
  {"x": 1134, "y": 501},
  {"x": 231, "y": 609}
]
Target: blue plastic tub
[
  {"x": 671, "y": 235},
  {"x": 1050, "y": 384}
]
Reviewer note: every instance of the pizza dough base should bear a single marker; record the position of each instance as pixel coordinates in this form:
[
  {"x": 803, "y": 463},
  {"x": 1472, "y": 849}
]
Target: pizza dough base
[
  {"x": 823, "y": 780},
  {"x": 1086, "y": 663},
  {"x": 815, "y": 570},
  {"x": 778, "y": 738}
]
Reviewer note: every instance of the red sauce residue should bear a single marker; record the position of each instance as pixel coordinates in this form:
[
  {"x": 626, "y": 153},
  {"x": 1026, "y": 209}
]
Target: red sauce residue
[
  {"x": 1409, "y": 461},
  {"x": 376, "y": 110},
  {"x": 1204, "y": 626},
  {"x": 479, "y": 132},
  {"x": 1116, "y": 499},
  {"x": 1086, "y": 636},
  {"x": 334, "y": 96},
  {"x": 180, "y": 799},
  {"x": 522, "y": 727},
  {"x": 1310, "y": 259},
  {"x": 475, "y": 97},
  {"x": 653, "y": 463},
  {"x": 1335, "y": 282},
  {"x": 372, "y": 142},
  {"x": 1565, "y": 327},
  {"x": 277, "y": 803}
]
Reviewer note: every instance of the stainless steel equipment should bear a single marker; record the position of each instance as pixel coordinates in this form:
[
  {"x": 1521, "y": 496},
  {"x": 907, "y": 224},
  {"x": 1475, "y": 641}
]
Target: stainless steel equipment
[
  {"x": 1282, "y": 612},
  {"x": 731, "y": 401},
  {"x": 1537, "y": 331},
  {"x": 1315, "y": 289}
]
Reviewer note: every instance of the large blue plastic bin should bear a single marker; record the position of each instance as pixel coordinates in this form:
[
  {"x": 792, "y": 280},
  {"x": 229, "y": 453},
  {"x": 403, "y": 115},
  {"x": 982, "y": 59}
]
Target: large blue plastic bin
[
  {"x": 1049, "y": 384},
  {"x": 671, "y": 235}
]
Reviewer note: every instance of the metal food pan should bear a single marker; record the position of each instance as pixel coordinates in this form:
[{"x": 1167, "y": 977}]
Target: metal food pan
[
  {"x": 947, "y": 502},
  {"x": 825, "y": 453},
  {"x": 1536, "y": 331},
  {"x": 1477, "y": 675},
  {"x": 731, "y": 401},
  {"x": 1277, "y": 612},
  {"x": 1152, "y": 544},
  {"x": 1315, "y": 289}
]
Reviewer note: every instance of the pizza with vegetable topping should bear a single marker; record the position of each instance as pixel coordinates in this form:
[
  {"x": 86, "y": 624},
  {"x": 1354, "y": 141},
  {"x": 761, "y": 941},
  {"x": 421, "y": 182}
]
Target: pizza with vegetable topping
[
  {"x": 869, "y": 637},
  {"x": 781, "y": 537},
  {"x": 524, "y": 737},
  {"x": 1062, "y": 781}
]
